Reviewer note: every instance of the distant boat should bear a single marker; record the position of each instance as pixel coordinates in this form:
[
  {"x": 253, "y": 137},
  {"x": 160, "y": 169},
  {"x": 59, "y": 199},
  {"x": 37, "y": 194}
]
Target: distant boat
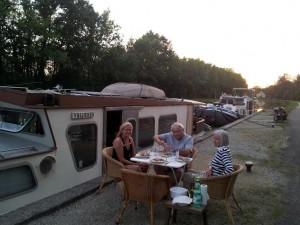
[
  {"x": 216, "y": 116},
  {"x": 241, "y": 101}
]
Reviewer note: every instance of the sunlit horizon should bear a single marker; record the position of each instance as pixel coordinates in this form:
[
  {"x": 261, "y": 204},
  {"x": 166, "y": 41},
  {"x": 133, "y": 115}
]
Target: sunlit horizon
[{"x": 258, "y": 39}]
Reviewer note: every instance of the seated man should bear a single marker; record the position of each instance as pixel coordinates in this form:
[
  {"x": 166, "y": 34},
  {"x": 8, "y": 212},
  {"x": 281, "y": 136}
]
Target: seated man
[{"x": 176, "y": 139}]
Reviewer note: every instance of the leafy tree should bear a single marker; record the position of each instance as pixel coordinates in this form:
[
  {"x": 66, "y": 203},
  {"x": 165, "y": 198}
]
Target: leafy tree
[
  {"x": 86, "y": 37},
  {"x": 67, "y": 42},
  {"x": 53, "y": 40},
  {"x": 285, "y": 88},
  {"x": 151, "y": 58}
]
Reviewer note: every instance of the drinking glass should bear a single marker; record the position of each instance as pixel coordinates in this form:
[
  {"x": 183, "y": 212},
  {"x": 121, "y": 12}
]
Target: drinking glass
[
  {"x": 154, "y": 151},
  {"x": 202, "y": 173},
  {"x": 173, "y": 152}
]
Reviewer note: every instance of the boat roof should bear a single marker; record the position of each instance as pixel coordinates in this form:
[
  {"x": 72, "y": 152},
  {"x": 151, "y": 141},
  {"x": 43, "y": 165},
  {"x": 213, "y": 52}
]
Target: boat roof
[
  {"x": 194, "y": 102},
  {"x": 231, "y": 97},
  {"x": 68, "y": 98}
]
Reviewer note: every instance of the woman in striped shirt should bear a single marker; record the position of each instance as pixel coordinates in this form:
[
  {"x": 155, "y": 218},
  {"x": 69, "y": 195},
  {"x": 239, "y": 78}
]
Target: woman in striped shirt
[{"x": 221, "y": 164}]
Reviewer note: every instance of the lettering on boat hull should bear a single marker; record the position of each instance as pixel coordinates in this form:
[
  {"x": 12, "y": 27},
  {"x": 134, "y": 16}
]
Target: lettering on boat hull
[{"x": 81, "y": 115}]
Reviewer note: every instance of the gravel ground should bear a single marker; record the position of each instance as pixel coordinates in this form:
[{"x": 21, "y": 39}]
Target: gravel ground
[
  {"x": 259, "y": 192},
  {"x": 291, "y": 197}
]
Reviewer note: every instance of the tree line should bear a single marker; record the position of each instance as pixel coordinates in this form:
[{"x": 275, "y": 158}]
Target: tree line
[
  {"x": 49, "y": 42},
  {"x": 286, "y": 88}
]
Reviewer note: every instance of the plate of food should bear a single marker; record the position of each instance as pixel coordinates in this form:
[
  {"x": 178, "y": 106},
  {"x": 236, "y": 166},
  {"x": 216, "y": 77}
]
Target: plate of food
[
  {"x": 180, "y": 160},
  {"x": 158, "y": 160},
  {"x": 142, "y": 156},
  {"x": 185, "y": 159}
]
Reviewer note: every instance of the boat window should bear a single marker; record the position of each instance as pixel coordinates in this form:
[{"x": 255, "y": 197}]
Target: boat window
[
  {"x": 165, "y": 122},
  {"x": 16, "y": 180},
  {"x": 34, "y": 126},
  {"x": 14, "y": 120},
  {"x": 83, "y": 143},
  {"x": 223, "y": 101},
  {"x": 230, "y": 101},
  {"x": 146, "y": 131},
  {"x": 239, "y": 101}
]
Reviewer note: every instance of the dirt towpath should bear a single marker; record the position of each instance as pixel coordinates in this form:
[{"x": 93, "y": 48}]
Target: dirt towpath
[{"x": 291, "y": 195}]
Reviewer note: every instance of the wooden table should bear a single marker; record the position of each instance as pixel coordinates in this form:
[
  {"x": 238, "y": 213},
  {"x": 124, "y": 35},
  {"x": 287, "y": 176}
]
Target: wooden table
[{"x": 174, "y": 207}]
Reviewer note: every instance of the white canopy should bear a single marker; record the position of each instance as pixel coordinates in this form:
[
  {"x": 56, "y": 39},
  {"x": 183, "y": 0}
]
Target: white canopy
[{"x": 133, "y": 90}]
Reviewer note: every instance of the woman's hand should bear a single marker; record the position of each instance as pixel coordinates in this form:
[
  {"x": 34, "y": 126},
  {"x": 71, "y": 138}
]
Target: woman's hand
[{"x": 208, "y": 172}]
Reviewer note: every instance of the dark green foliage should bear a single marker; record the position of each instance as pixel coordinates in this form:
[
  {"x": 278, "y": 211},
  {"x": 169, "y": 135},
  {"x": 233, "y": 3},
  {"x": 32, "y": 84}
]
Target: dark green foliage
[
  {"x": 49, "y": 42},
  {"x": 285, "y": 88}
]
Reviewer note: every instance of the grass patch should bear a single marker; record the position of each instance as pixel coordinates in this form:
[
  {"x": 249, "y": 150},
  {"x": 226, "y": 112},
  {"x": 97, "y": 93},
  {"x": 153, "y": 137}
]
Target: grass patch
[
  {"x": 289, "y": 105},
  {"x": 260, "y": 205},
  {"x": 260, "y": 193},
  {"x": 241, "y": 157}
]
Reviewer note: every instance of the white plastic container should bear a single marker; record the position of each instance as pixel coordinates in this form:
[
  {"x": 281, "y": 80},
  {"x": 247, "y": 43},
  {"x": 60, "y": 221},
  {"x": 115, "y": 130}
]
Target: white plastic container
[
  {"x": 178, "y": 191},
  {"x": 204, "y": 194}
]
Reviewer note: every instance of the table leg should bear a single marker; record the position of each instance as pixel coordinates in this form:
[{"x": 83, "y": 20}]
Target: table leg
[
  {"x": 204, "y": 217},
  {"x": 170, "y": 217},
  {"x": 175, "y": 216},
  {"x": 182, "y": 172},
  {"x": 181, "y": 175},
  {"x": 175, "y": 177}
]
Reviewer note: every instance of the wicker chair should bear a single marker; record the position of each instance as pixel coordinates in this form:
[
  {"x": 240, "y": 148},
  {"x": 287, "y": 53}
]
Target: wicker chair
[
  {"x": 112, "y": 168},
  {"x": 145, "y": 188},
  {"x": 221, "y": 188}
]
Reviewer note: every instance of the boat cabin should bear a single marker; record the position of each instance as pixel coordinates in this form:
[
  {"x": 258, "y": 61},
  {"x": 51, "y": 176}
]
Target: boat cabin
[
  {"x": 51, "y": 140},
  {"x": 241, "y": 102}
]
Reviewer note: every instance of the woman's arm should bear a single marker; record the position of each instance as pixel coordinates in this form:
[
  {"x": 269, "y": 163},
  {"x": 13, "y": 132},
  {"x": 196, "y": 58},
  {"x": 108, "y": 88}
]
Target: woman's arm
[
  {"x": 227, "y": 161},
  {"x": 133, "y": 146},
  {"x": 208, "y": 172},
  {"x": 118, "y": 146}
]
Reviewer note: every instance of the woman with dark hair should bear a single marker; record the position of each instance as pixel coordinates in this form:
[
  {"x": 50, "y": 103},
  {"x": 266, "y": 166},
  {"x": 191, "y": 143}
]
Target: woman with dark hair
[
  {"x": 221, "y": 163},
  {"x": 124, "y": 148}
]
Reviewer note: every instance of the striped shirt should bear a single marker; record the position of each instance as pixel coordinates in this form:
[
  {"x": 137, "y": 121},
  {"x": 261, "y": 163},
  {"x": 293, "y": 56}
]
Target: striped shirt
[{"x": 222, "y": 162}]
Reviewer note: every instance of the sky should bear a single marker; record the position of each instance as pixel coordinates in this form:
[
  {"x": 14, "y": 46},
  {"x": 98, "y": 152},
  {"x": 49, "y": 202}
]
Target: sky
[{"x": 260, "y": 39}]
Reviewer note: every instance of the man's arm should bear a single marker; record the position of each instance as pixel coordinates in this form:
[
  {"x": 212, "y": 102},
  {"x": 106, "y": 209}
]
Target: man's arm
[
  {"x": 161, "y": 140},
  {"x": 188, "y": 150},
  {"x": 158, "y": 140}
]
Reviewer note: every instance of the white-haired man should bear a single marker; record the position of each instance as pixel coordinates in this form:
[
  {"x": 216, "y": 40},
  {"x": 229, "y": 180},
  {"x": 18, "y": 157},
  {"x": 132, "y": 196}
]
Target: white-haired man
[{"x": 176, "y": 139}]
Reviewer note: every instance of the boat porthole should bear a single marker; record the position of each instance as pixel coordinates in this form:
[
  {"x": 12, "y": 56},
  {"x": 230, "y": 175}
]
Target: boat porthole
[{"x": 46, "y": 164}]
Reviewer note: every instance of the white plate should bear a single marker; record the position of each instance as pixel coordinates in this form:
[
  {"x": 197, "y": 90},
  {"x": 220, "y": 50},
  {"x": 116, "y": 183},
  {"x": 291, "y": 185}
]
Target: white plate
[
  {"x": 142, "y": 156},
  {"x": 182, "y": 200},
  {"x": 158, "y": 160}
]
